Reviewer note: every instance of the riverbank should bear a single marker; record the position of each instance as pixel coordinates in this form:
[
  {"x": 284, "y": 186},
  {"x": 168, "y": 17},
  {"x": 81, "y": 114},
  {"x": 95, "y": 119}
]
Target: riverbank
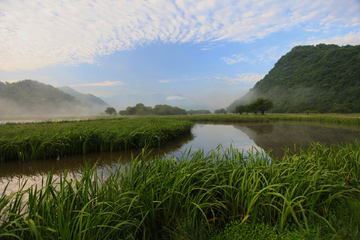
[
  {"x": 314, "y": 194},
  {"x": 228, "y": 118},
  {"x": 48, "y": 139}
]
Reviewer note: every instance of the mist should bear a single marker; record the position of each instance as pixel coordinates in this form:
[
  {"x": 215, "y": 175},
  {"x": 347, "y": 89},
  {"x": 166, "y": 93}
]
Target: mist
[{"x": 12, "y": 109}]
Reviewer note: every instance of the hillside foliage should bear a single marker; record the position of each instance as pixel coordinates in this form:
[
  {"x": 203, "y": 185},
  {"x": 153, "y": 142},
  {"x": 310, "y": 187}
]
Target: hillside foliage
[{"x": 321, "y": 78}]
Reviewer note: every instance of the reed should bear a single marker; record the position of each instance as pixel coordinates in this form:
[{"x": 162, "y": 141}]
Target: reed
[
  {"x": 159, "y": 198},
  {"x": 26, "y": 141}
]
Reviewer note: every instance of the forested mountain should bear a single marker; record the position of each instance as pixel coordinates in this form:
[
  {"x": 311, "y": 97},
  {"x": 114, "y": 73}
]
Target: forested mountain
[
  {"x": 321, "y": 78},
  {"x": 30, "y": 98}
]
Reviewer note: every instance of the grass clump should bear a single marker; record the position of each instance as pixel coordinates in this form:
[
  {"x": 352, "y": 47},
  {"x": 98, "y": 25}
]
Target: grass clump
[
  {"x": 199, "y": 196},
  {"x": 244, "y": 230}
]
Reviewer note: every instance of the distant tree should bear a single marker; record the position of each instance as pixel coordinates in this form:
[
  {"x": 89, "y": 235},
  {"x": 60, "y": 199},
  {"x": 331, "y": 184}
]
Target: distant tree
[
  {"x": 191, "y": 112},
  {"x": 262, "y": 105},
  {"x": 220, "y": 111},
  {"x": 252, "y": 108},
  {"x": 168, "y": 110},
  {"x": 110, "y": 111},
  {"x": 240, "y": 109},
  {"x": 139, "y": 109}
]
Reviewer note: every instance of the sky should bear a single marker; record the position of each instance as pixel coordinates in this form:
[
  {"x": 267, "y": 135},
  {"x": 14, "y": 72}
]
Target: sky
[{"x": 210, "y": 51}]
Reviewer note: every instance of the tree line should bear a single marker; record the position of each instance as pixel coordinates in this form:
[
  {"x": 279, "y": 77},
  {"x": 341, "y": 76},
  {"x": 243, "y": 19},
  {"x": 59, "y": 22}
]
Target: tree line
[
  {"x": 191, "y": 112},
  {"x": 141, "y": 109},
  {"x": 260, "y": 104}
]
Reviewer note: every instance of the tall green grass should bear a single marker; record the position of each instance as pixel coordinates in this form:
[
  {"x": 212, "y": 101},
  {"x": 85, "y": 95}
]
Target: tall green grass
[
  {"x": 56, "y": 139},
  {"x": 192, "y": 197}
]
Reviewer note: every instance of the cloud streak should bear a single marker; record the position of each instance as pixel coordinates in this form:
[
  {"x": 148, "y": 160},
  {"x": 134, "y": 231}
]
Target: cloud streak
[
  {"x": 40, "y": 33},
  {"x": 246, "y": 77},
  {"x": 101, "y": 84},
  {"x": 171, "y": 98},
  {"x": 235, "y": 58},
  {"x": 167, "y": 81},
  {"x": 352, "y": 38}
]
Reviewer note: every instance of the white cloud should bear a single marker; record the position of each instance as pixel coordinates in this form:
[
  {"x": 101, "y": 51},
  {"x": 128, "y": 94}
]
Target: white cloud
[
  {"x": 271, "y": 54},
  {"x": 246, "y": 77},
  {"x": 352, "y": 38},
  {"x": 167, "y": 81},
  {"x": 40, "y": 33},
  {"x": 170, "y": 98},
  {"x": 101, "y": 84},
  {"x": 235, "y": 58}
]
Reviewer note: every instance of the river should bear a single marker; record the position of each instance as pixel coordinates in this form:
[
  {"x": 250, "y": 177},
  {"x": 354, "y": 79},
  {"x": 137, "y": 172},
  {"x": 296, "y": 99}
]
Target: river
[{"x": 243, "y": 136}]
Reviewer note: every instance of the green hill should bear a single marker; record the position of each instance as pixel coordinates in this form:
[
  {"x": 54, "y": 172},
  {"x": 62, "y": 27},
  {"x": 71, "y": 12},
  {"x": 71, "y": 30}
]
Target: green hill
[
  {"x": 30, "y": 98},
  {"x": 322, "y": 78}
]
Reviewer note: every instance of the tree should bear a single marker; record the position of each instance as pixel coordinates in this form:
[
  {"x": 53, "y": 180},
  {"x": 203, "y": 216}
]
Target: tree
[
  {"x": 240, "y": 109},
  {"x": 168, "y": 110},
  {"x": 252, "y": 108},
  {"x": 220, "y": 111},
  {"x": 262, "y": 105},
  {"x": 110, "y": 111}
]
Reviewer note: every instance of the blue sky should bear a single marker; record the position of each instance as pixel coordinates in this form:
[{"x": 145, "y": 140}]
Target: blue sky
[{"x": 210, "y": 51}]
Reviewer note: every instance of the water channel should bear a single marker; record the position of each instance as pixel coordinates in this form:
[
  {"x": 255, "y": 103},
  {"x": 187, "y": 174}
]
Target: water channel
[{"x": 243, "y": 136}]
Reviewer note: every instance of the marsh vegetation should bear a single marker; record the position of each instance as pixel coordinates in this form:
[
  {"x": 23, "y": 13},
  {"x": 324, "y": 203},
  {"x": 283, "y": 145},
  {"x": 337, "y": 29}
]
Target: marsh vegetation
[
  {"x": 303, "y": 195},
  {"x": 312, "y": 193},
  {"x": 56, "y": 139}
]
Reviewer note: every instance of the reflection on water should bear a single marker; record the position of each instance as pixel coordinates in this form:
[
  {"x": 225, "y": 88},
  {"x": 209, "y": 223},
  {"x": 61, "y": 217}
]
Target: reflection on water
[
  {"x": 262, "y": 136},
  {"x": 276, "y": 136}
]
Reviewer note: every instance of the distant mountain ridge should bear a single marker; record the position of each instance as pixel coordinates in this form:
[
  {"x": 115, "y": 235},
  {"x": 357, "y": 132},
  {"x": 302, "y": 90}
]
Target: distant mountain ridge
[
  {"x": 96, "y": 104},
  {"x": 322, "y": 78},
  {"x": 32, "y": 98}
]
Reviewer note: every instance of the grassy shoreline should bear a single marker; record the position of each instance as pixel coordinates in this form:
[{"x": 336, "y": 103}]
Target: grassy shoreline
[
  {"x": 229, "y": 118},
  {"x": 49, "y": 139},
  {"x": 305, "y": 196}
]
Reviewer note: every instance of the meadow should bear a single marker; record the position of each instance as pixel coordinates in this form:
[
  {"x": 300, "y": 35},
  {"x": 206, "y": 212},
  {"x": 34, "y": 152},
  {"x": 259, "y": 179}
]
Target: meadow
[{"x": 230, "y": 195}]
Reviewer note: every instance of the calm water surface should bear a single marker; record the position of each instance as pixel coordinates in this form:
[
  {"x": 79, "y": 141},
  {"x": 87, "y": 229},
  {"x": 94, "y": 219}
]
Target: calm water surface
[{"x": 262, "y": 136}]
